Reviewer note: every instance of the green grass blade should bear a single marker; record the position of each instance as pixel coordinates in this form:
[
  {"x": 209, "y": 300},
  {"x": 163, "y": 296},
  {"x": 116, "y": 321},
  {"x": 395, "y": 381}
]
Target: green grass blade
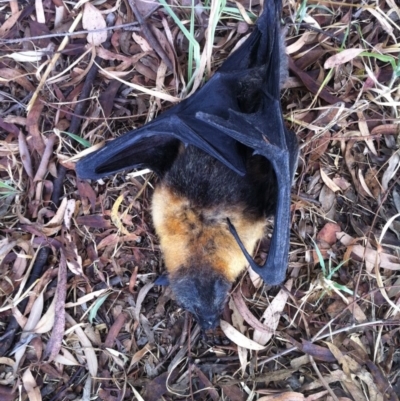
[
  {"x": 78, "y": 139},
  {"x": 190, "y": 37}
]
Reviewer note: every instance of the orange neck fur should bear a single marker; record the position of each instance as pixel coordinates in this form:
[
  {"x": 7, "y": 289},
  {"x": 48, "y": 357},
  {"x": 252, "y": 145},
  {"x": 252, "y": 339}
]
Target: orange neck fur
[{"x": 191, "y": 237}]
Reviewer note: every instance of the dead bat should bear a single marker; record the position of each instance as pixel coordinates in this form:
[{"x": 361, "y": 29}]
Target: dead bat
[{"x": 225, "y": 162}]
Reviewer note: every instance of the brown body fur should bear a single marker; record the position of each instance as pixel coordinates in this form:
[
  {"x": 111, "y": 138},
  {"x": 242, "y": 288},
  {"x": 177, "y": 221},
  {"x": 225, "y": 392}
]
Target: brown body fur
[
  {"x": 191, "y": 207},
  {"x": 186, "y": 235}
]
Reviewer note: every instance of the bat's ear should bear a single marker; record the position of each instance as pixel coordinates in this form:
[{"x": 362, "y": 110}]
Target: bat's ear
[{"x": 130, "y": 151}]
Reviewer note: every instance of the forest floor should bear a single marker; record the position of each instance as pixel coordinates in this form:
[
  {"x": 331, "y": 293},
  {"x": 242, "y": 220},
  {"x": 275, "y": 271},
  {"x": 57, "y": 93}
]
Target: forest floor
[{"x": 80, "y": 316}]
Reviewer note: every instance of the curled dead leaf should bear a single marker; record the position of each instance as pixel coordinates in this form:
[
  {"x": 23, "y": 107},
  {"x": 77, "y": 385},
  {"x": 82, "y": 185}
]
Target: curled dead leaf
[
  {"x": 238, "y": 338},
  {"x": 328, "y": 182}
]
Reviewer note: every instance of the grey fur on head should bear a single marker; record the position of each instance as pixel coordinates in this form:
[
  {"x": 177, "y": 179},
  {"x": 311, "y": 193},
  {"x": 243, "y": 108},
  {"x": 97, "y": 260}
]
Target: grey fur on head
[{"x": 202, "y": 291}]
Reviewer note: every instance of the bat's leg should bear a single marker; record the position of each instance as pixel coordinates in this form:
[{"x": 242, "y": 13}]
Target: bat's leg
[{"x": 274, "y": 269}]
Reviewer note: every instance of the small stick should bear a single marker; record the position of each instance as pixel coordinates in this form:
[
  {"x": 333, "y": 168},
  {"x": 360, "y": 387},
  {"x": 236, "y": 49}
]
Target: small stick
[{"x": 150, "y": 36}]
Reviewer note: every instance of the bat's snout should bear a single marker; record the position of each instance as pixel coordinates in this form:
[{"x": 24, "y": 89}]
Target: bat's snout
[{"x": 201, "y": 290}]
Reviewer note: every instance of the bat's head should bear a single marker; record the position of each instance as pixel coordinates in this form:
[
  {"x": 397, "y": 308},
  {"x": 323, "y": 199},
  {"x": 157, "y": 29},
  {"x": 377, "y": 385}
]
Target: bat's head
[{"x": 202, "y": 291}]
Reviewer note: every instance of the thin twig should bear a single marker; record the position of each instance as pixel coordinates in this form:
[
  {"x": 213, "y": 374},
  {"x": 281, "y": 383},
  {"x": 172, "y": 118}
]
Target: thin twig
[
  {"x": 322, "y": 336},
  {"x": 148, "y": 34},
  {"x": 322, "y": 379}
]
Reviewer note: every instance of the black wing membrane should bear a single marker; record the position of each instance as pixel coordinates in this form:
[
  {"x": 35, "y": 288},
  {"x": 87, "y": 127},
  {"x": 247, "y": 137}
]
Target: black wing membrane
[
  {"x": 215, "y": 119},
  {"x": 143, "y": 147},
  {"x": 264, "y": 132}
]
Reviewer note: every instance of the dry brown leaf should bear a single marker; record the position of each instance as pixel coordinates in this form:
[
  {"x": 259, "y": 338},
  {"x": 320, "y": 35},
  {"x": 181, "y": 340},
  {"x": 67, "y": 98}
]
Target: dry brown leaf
[
  {"x": 287, "y": 396},
  {"x": 318, "y": 396},
  {"x": 86, "y": 298},
  {"x": 169, "y": 57},
  {"x": 25, "y": 154},
  {"x": 26, "y": 336},
  {"x": 255, "y": 278},
  {"x": 87, "y": 347},
  {"x": 67, "y": 359},
  {"x": 328, "y": 182},
  {"x": 59, "y": 15},
  {"x": 351, "y": 367},
  {"x": 339, "y": 399},
  {"x": 140, "y": 298},
  {"x": 137, "y": 357},
  {"x": 87, "y": 192},
  {"x": 115, "y": 215},
  {"x": 233, "y": 392},
  {"x": 142, "y": 42},
  {"x": 238, "y": 338},
  {"x": 243, "y": 354},
  {"x": 364, "y": 130},
  {"x": 237, "y": 317},
  {"x": 382, "y": 20},
  {"x": 391, "y": 171},
  {"x": 9, "y": 23},
  {"x": 280, "y": 375},
  {"x": 69, "y": 212},
  {"x": 40, "y": 17},
  {"x": 6, "y": 245},
  {"x": 28, "y": 56},
  {"x": 237, "y": 322},
  {"x": 95, "y": 221},
  {"x": 113, "y": 239},
  {"x": 157, "y": 387},
  {"x": 306, "y": 38},
  {"x": 54, "y": 344},
  {"x": 70, "y": 250},
  {"x": 318, "y": 146},
  {"x": 342, "y": 183},
  {"x": 328, "y": 233},
  {"x": 31, "y": 386},
  {"x": 46, "y": 323},
  {"x": 314, "y": 350},
  {"x": 347, "y": 364},
  {"x": 246, "y": 314},
  {"x": 92, "y": 19},
  {"x": 10, "y": 74},
  {"x": 272, "y": 315},
  {"x": 209, "y": 387},
  {"x": 32, "y": 124},
  {"x": 385, "y": 260},
  {"x": 297, "y": 363},
  {"x": 351, "y": 166},
  {"x": 356, "y": 311},
  {"x": 372, "y": 182},
  {"x": 342, "y": 57},
  {"x": 364, "y": 184},
  {"x": 44, "y": 161}
]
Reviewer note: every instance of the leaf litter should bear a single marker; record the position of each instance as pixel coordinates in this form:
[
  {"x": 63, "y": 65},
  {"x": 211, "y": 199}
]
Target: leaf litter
[{"x": 81, "y": 317}]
